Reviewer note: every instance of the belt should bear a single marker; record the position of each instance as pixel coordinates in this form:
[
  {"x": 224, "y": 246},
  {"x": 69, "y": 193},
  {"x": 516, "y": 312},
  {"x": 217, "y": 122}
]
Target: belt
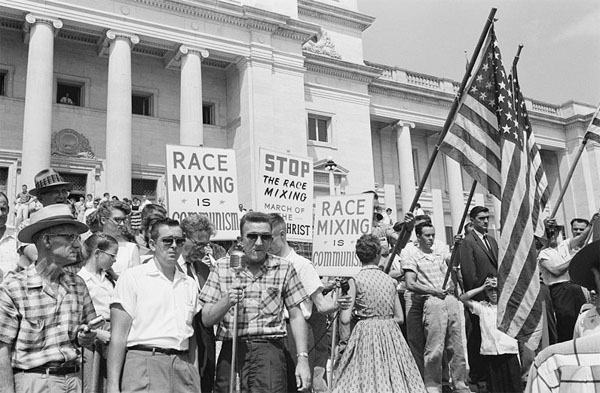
[
  {"x": 60, "y": 370},
  {"x": 262, "y": 340},
  {"x": 166, "y": 351}
]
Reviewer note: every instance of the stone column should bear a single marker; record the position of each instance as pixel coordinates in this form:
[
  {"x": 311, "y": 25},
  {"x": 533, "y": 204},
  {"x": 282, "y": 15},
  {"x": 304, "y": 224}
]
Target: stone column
[
  {"x": 118, "y": 114},
  {"x": 191, "y": 131},
  {"x": 405, "y": 164},
  {"x": 37, "y": 122},
  {"x": 455, "y": 192}
]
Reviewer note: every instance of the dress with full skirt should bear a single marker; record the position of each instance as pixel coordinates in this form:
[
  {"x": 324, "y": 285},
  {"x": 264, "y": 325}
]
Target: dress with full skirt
[{"x": 377, "y": 358}]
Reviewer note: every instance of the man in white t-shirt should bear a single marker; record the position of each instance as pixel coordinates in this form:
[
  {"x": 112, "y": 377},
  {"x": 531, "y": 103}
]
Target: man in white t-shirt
[
  {"x": 314, "y": 288},
  {"x": 151, "y": 319}
]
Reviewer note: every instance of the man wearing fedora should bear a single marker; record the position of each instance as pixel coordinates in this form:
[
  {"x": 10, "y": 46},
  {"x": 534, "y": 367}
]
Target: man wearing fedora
[
  {"x": 50, "y": 189},
  {"x": 45, "y": 311}
]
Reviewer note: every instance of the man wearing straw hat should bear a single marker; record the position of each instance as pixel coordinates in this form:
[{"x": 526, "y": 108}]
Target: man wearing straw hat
[{"x": 45, "y": 311}]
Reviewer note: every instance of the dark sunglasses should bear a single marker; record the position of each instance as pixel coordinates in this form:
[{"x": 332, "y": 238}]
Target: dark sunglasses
[
  {"x": 168, "y": 241},
  {"x": 265, "y": 237},
  {"x": 120, "y": 220}
]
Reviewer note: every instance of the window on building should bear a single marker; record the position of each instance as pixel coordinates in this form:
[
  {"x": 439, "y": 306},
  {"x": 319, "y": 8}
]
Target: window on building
[
  {"x": 318, "y": 128},
  {"x": 4, "y": 179},
  {"x": 69, "y": 93},
  {"x": 78, "y": 183},
  {"x": 141, "y": 104},
  {"x": 208, "y": 113},
  {"x": 3, "y": 81},
  {"x": 141, "y": 187}
]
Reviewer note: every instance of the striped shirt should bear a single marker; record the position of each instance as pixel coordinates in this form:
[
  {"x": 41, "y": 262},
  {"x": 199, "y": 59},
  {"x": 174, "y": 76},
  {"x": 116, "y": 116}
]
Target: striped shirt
[
  {"x": 261, "y": 310},
  {"x": 39, "y": 324}
]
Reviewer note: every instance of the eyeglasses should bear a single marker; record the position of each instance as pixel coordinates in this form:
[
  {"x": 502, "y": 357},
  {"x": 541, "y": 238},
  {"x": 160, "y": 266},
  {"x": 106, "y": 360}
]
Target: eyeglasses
[
  {"x": 265, "y": 237},
  {"x": 120, "y": 220},
  {"x": 168, "y": 241},
  {"x": 110, "y": 254},
  {"x": 71, "y": 237},
  {"x": 198, "y": 243}
]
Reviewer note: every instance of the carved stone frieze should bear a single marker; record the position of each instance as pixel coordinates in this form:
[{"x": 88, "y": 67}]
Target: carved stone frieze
[
  {"x": 70, "y": 143},
  {"x": 324, "y": 46}
]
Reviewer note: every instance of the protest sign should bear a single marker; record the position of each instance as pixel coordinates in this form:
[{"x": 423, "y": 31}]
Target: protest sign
[
  {"x": 286, "y": 187},
  {"x": 203, "y": 180},
  {"x": 339, "y": 222}
]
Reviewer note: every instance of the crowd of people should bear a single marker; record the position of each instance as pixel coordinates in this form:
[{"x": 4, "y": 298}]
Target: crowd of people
[{"x": 112, "y": 295}]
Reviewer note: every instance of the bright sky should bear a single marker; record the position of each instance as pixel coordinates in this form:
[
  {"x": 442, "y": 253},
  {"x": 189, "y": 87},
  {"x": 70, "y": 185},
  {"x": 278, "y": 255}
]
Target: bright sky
[{"x": 560, "y": 60}]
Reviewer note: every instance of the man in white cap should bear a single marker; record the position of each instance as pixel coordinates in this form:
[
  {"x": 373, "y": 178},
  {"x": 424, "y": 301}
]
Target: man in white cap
[{"x": 45, "y": 311}]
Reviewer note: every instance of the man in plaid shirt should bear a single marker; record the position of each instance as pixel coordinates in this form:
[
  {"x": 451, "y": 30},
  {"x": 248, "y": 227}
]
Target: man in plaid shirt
[
  {"x": 44, "y": 311},
  {"x": 262, "y": 285}
]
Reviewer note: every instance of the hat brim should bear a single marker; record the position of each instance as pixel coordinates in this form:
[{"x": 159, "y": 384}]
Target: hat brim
[
  {"x": 35, "y": 191},
  {"x": 26, "y": 234},
  {"x": 582, "y": 263}
]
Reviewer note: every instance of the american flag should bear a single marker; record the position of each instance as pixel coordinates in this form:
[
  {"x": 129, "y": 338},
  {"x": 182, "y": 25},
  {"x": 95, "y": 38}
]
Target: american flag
[
  {"x": 593, "y": 131},
  {"x": 490, "y": 140}
]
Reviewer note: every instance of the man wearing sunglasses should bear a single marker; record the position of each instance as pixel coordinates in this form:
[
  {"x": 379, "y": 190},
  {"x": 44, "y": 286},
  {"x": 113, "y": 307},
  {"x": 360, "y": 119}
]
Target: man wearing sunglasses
[
  {"x": 151, "y": 314},
  {"x": 263, "y": 284},
  {"x": 45, "y": 311}
]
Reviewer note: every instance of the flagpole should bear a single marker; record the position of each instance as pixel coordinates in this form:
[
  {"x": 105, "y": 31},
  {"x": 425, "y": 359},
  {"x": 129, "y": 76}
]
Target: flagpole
[
  {"x": 563, "y": 190},
  {"x": 453, "y": 259},
  {"x": 403, "y": 238}
]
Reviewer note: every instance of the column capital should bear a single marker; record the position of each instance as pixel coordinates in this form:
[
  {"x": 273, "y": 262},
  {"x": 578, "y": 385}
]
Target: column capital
[
  {"x": 185, "y": 49},
  {"x": 113, "y": 35},
  {"x": 400, "y": 124},
  {"x": 31, "y": 19}
]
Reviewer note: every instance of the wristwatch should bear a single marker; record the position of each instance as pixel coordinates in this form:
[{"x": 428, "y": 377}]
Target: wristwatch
[{"x": 302, "y": 354}]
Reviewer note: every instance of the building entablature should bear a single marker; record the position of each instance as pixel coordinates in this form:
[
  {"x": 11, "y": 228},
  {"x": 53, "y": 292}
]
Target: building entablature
[
  {"x": 162, "y": 34},
  {"x": 333, "y": 14},
  {"x": 339, "y": 68}
]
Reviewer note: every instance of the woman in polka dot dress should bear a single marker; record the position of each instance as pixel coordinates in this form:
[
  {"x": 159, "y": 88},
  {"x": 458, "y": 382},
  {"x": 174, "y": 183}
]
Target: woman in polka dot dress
[{"x": 377, "y": 358}]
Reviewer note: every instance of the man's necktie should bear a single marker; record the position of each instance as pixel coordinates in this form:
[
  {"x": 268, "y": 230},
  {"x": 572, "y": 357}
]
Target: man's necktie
[
  {"x": 190, "y": 272},
  {"x": 487, "y": 244}
]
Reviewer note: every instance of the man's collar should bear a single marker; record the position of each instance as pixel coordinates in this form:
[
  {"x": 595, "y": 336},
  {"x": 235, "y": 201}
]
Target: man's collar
[
  {"x": 479, "y": 233},
  {"x": 153, "y": 270}
]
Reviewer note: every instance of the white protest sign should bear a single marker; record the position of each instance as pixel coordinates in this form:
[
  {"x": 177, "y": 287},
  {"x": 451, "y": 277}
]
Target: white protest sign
[
  {"x": 286, "y": 187},
  {"x": 339, "y": 222},
  {"x": 203, "y": 180}
]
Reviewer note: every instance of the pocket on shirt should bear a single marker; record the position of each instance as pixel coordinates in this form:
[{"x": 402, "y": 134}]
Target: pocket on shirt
[
  {"x": 270, "y": 300},
  {"x": 32, "y": 332}
]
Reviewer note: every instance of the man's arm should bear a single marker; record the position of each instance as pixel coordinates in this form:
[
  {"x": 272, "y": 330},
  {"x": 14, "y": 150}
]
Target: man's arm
[
  {"x": 299, "y": 329},
  {"x": 215, "y": 312},
  {"x": 6, "y": 374},
  {"x": 413, "y": 285},
  {"x": 579, "y": 241},
  {"x": 120, "y": 324},
  {"x": 555, "y": 269}
]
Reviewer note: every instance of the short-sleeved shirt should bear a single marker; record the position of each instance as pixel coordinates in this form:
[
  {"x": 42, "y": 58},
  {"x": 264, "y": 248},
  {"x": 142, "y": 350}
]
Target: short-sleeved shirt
[
  {"x": 261, "y": 311},
  {"x": 493, "y": 341},
  {"x": 101, "y": 290},
  {"x": 430, "y": 268},
  {"x": 588, "y": 322},
  {"x": 39, "y": 324},
  {"x": 308, "y": 277},
  {"x": 9, "y": 257},
  {"x": 161, "y": 310},
  {"x": 559, "y": 257}
]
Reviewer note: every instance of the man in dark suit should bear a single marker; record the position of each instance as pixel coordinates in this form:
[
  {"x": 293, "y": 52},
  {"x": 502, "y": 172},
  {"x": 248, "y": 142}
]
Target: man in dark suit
[{"x": 478, "y": 260}]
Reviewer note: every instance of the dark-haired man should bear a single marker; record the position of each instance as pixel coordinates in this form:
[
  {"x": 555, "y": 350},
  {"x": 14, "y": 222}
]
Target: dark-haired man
[
  {"x": 264, "y": 284},
  {"x": 9, "y": 257},
  {"x": 425, "y": 273},
  {"x": 151, "y": 319},
  {"x": 478, "y": 259}
]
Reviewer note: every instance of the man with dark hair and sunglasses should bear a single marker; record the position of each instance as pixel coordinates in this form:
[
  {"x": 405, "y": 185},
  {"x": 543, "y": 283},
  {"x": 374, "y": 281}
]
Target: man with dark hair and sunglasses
[
  {"x": 151, "y": 314},
  {"x": 45, "y": 312},
  {"x": 263, "y": 284}
]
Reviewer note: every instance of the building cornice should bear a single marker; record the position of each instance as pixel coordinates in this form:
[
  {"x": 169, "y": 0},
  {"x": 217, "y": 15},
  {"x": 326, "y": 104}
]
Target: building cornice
[
  {"x": 339, "y": 68},
  {"x": 337, "y": 15},
  {"x": 411, "y": 93}
]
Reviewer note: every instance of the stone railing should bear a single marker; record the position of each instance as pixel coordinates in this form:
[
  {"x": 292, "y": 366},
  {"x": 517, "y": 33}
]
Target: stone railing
[{"x": 543, "y": 107}]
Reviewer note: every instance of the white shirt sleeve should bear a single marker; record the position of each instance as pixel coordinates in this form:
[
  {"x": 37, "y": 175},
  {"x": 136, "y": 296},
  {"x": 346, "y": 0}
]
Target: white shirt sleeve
[{"x": 125, "y": 293}]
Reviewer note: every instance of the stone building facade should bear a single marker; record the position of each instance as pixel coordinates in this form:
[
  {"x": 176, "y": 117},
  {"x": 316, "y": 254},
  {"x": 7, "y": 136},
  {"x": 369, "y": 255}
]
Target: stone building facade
[{"x": 96, "y": 89}]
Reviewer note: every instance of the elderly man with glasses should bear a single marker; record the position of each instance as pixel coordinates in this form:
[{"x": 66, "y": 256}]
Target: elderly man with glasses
[
  {"x": 45, "y": 312},
  {"x": 263, "y": 284},
  {"x": 197, "y": 257},
  {"x": 151, "y": 314}
]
